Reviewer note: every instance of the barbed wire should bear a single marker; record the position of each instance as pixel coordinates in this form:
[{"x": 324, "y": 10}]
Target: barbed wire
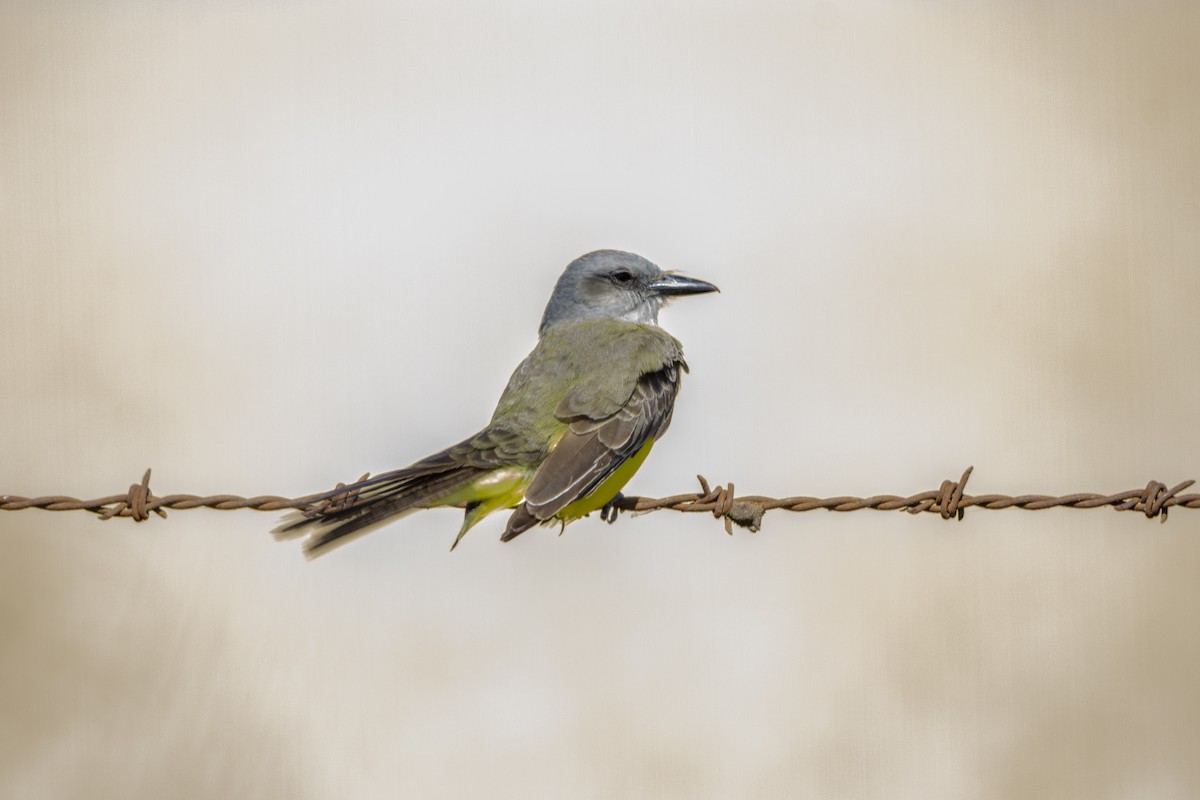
[{"x": 949, "y": 501}]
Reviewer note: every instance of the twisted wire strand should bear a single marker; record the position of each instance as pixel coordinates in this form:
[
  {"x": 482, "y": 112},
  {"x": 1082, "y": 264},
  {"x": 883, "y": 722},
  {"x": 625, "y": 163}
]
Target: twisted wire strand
[{"x": 949, "y": 501}]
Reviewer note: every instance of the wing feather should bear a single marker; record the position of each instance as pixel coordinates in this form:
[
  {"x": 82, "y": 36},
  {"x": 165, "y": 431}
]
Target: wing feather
[{"x": 592, "y": 449}]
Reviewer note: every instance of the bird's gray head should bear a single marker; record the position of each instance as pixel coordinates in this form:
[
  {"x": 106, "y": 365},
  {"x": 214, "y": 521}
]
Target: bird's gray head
[{"x": 615, "y": 285}]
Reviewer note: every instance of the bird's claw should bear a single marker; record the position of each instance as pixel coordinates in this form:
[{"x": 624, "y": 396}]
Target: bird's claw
[{"x": 610, "y": 511}]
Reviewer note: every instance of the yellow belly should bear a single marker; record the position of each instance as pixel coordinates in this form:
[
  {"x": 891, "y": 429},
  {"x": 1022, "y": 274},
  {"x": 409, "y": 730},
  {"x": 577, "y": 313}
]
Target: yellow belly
[
  {"x": 505, "y": 488},
  {"x": 502, "y": 488},
  {"x": 607, "y": 490}
]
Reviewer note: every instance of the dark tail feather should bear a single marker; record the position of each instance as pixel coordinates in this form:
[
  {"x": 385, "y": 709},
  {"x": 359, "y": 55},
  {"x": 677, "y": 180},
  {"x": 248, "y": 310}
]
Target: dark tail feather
[
  {"x": 519, "y": 522},
  {"x": 379, "y": 500}
]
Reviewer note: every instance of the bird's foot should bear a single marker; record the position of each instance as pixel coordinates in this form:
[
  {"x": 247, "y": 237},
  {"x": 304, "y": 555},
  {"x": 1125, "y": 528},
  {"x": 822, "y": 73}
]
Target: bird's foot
[{"x": 610, "y": 511}]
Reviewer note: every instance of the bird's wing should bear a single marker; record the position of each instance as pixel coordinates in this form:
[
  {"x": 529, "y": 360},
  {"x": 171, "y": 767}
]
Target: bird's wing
[{"x": 593, "y": 446}]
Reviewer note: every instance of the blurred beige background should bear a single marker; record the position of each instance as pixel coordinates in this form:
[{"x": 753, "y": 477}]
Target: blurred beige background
[{"x": 263, "y": 247}]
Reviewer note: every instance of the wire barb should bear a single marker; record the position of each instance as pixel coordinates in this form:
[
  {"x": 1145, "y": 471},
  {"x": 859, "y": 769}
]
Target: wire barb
[
  {"x": 950, "y": 501},
  {"x": 1154, "y": 500},
  {"x": 337, "y": 502},
  {"x": 136, "y": 504}
]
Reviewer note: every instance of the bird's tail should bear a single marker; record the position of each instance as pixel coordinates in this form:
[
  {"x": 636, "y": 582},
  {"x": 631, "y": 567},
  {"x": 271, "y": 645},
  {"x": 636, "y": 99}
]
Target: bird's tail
[{"x": 348, "y": 512}]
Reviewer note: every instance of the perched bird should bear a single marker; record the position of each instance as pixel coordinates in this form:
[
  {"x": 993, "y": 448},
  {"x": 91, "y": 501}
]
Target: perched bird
[{"x": 576, "y": 421}]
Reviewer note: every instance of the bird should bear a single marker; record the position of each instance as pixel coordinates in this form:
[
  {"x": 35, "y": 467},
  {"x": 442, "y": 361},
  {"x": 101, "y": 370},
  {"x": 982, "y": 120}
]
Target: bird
[{"x": 574, "y": 423}]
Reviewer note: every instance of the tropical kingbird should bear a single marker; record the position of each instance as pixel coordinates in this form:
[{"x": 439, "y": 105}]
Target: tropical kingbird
[{"x": 577, "y": 419}]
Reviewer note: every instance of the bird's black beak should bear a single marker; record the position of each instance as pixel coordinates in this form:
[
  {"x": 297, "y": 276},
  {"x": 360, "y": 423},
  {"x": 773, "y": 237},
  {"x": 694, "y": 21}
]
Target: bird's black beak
[{"x": 670, "y": 285}]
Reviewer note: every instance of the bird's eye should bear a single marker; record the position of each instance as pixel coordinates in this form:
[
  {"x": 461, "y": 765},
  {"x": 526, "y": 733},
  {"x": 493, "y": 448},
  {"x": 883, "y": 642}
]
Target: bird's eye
[{"x": 622, "y": 277}]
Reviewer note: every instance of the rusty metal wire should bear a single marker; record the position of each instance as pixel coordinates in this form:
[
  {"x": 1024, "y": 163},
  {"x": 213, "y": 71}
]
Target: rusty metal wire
[{"x": 949, "y": 501}]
